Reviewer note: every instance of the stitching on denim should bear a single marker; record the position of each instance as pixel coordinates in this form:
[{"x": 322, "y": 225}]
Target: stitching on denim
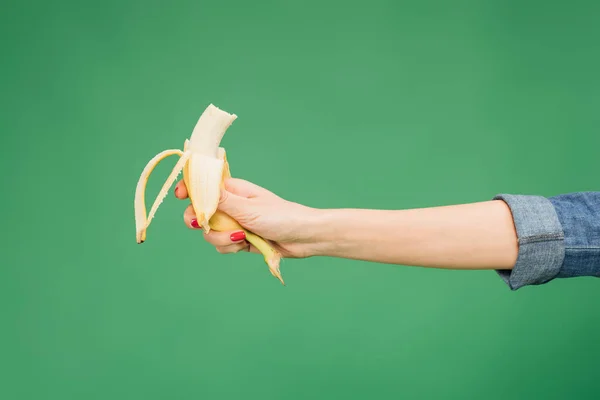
[
  {"x": 583, "y": 248},
  {"x": 542, "y": 238}
]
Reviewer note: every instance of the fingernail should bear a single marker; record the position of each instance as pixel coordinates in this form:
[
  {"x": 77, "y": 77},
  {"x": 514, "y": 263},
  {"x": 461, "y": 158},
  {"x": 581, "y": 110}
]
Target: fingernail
[
  {"x": 176, "y": 190},
  {"x": 237, "y": 236},
  {"x": 195, "y": 224}
]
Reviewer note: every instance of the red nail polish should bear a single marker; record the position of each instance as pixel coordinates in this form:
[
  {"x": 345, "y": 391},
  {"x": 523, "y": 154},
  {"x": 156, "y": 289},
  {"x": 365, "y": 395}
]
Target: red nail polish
[
  {"x": 237, "y": 236},
  {"x": 194, "y": 224}
]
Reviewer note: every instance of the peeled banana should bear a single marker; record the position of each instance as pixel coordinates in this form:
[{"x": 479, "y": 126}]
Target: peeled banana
[{"x": 205, "y": 168}]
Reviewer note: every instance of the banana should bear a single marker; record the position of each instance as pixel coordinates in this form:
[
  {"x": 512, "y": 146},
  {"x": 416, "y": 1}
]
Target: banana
[{"x": 205, "y": 168}]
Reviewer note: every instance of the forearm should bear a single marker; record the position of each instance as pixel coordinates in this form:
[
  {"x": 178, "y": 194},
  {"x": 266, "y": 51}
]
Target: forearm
[{"x": 471, "y": 236}]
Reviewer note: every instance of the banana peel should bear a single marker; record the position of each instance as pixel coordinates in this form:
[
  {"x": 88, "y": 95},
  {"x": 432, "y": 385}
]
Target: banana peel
[{"x": 205, "y": 168}]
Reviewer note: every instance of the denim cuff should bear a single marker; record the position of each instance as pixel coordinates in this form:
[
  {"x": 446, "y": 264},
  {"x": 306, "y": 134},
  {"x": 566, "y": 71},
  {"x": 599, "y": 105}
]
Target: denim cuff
[{"x": 541, "y": 241}]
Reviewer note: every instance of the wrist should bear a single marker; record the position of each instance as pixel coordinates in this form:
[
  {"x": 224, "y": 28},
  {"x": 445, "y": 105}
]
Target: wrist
[{"x": 323, "y": 231}]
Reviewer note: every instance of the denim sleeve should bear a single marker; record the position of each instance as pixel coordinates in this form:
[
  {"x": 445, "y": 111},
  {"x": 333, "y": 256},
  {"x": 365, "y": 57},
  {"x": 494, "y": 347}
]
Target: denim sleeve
[{"x": 559, "y": 237}]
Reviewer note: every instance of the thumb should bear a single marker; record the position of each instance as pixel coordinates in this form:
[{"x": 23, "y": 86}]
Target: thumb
[{"x": 233, "y": 205}]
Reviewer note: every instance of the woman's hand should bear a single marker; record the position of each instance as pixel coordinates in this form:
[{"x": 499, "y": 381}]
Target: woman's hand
[{"x": 284, "y": 223}]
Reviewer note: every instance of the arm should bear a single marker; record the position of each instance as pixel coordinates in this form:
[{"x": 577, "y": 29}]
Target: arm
[
  {"x": 470, "y": 236},
  {"x": 528, "y": 240}
]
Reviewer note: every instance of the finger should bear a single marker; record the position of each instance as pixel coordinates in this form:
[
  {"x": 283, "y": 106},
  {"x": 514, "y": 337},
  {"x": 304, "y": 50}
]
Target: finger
[
  {"x": 244, "y": 188},
  {"x": 233, "y": 205},
  {"x": 181, "y": 190},
  {"x": 237, "y": 247},
  {"x": 227, "y": 239},
  {"x": 220, "y": 239},
  {"x": 233, "y": 248},
  {"x": 189, "y": 218}
]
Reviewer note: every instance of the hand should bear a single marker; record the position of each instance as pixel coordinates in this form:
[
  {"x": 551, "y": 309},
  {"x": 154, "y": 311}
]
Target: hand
[{"x": 284, "y": 223}]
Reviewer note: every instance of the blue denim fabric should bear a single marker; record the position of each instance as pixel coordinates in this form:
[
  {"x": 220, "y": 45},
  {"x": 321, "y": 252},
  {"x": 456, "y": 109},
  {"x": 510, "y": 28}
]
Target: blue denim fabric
[{"x": 559, "y": 237}]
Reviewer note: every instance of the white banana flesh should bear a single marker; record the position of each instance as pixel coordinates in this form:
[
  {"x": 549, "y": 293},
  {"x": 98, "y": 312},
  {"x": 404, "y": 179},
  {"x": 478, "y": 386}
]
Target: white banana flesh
[{"x": 202, "y": 190}]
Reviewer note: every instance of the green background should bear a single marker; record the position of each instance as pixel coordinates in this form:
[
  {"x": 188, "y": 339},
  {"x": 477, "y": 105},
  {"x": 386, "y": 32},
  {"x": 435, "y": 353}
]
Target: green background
[{"x": 378, "y": 104}]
